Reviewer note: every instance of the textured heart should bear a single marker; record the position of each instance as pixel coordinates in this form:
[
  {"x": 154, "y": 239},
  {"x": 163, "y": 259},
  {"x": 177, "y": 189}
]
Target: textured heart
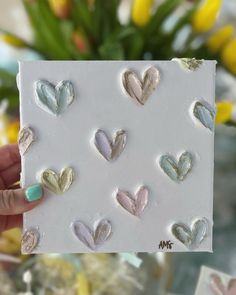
[
  {"x": 25, "y": 139},
  {"x": 108, "y": 149},
  {"x": 176, "y": 171},
  {"x": 54, "y": 99},
  {"x": 57, "y": 184},
  {"x": 191, "y": 237},
  {"x": 219, "y": 288},
  {"x": 191, "y": 64},
  {"x": 134, "y": 205},
  {"x": 30, "y": 241},
  {"x": 141, "y": 90},
  {"x": 90, "y": 238},
  {"x": 205, "y": 113}
]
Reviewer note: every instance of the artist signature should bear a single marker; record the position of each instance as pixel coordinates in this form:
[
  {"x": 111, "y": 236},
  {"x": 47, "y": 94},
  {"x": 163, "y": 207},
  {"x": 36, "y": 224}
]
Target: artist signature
[{"x": 166, "y": 245}]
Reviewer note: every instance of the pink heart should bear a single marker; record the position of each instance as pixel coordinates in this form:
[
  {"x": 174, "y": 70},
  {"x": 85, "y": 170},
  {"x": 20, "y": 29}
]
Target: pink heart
[
  {"x": 231, "y": 287},
  {"x": 134, "y": 205},
  {"x": 218, "y": 287}
]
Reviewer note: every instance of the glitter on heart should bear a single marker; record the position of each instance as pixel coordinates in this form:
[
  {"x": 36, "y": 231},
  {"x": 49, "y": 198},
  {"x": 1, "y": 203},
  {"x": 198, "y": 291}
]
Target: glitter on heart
[
  {"x": 192, "y": 236},
  {"x": 92, "y": 239},
  {"x": 30, "y": 240},
  {"x": 177, "y": 171},
  {"x": 55, "y": 183},
  {"x": 190, "y": 64},
  {"x": 25, "y": 139},
  {"x": 54, "y": 99},
  {"x": 141, "y": 90},
  {"x": 133, "y": 204}
]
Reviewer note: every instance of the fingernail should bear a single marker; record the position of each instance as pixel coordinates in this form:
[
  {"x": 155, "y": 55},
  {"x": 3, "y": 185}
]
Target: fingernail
[{"x": 34, "y": 193}]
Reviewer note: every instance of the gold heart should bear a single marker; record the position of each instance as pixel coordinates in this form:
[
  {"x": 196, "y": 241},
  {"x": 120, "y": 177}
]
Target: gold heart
[
  {"x": 30, "y": 240},
  {"x": 58, "y": 184},
  {"x": 141, "y": 90},
  {"x": 25, "y": 139},
  {"x": 190, "y": 64}
]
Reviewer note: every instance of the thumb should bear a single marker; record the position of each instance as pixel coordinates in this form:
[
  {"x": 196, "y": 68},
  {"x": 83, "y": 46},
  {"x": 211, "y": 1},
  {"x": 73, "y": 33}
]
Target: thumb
[{"x": 18, "y": 201}]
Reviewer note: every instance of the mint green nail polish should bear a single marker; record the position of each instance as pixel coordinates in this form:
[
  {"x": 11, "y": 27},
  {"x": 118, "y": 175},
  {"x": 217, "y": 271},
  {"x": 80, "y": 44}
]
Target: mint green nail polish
[{"x": 34, "y": 193}]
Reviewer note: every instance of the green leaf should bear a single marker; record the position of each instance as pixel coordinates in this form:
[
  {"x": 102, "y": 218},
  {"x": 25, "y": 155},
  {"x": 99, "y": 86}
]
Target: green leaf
[
  {"x": 82, "y": 16},
  {"x": 11, "y": 94},
  {"x": 125, "y": 32},
  {"x": 8, "y": 88},
  {"x": 135, "y": 47},
  {"x": 46, "y": 28},
  {"x": 231, "y": 123},
  {"x": 105, "y": 19},
  {"x": 68, "y": 29},
  {"x": 6, "y": 77},
  {"x": 163, "y": 11},
  {"x": 111, "y": 51},
  {"x": 13, "y": 100}
]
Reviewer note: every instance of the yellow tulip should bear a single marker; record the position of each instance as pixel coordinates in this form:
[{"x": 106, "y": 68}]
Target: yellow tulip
[
  {"x": 13, "y": 235},
  {"x": 61, "y": 8},
  {"x": 83, "y": 284},
  {"x": 12, "y": 131},
  {"x": 220, "y": 38},
  {"x": 224, "y": 111},
  {"x": 141, "y": 11},
  {"x": 12, "y": 40},
  {"x": 205, "y": 17},
  {"x": 228, "y": 56},
  {"x": 10, "y": 241}
]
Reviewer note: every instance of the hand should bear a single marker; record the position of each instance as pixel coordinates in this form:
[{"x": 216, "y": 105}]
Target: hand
[{"x": 14, "y": 201}]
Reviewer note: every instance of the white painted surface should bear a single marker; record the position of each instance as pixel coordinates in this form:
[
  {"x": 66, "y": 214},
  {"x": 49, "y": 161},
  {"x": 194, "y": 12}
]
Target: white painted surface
[
  {"x": 162, "y": 125},
  {"x": 203, "y": 285}
]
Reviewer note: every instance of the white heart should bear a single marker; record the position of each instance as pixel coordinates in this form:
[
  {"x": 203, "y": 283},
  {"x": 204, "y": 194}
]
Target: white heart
[
  {"x": 108, "y": 149},
  {"x": 141, "y": 90},
  {"x": 90, "y": 238}
]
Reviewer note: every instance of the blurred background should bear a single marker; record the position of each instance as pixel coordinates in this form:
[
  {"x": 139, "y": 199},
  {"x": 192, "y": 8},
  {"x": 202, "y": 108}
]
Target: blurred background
[{"x": 122, "y": 30}]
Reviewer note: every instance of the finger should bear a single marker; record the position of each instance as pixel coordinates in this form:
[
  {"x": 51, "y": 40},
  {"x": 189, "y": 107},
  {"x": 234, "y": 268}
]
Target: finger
[
  {"x": 9, "y": 155},
  {"x": 10, "y": 175},
  {"x": 8, "y": 222},
  {"x": 17, "y": 201},
  {"x": 15, "y": 185}
]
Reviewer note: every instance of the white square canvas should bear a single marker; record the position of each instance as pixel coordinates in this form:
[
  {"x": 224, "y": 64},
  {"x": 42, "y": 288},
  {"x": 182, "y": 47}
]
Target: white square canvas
[
  {"x": 214, "y": 282},
  {"x": 136, "y": 142}
]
